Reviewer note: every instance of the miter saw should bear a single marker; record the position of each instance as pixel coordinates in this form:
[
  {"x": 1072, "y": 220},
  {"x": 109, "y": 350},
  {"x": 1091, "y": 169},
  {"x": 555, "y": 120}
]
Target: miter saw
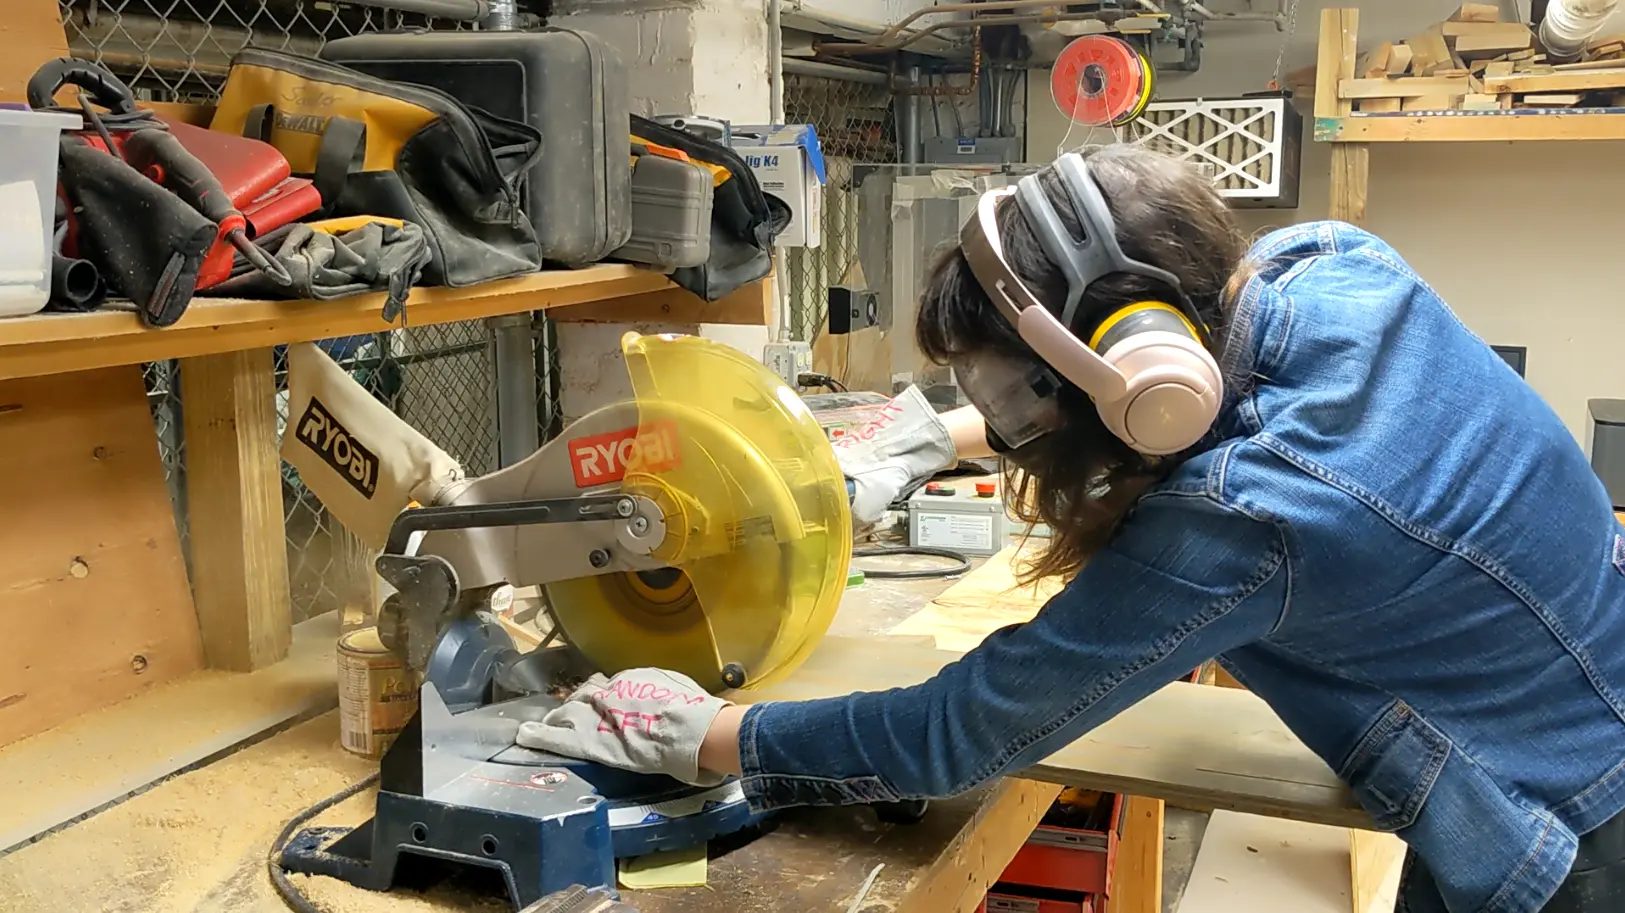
[{"x": 702, "y": 527}]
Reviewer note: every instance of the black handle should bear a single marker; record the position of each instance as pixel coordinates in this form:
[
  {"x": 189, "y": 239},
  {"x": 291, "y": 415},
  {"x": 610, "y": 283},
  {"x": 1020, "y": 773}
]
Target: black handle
[
  {"x": 101, "y": 85},
  {"x": 182, "y": 173}
]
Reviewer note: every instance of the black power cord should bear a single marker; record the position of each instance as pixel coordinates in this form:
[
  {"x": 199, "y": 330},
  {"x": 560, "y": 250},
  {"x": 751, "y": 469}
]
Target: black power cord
[
  {"x": 961, "y": 566},
  {"x": 291, "y": 895}
]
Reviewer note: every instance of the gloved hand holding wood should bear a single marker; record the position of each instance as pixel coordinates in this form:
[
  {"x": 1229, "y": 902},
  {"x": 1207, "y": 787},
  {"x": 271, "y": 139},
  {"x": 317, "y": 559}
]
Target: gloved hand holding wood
[
  {"x": 906, "y": 443},
  {"x": 645, "y": 720}
]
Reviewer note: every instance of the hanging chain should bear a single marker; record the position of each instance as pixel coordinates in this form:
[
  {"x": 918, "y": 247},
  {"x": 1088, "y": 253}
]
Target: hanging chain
[{"x": 1286, "y": 39}]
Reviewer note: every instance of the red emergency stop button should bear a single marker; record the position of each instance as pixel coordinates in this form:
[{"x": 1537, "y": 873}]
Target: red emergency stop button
[{"x": 986, "y": 489}]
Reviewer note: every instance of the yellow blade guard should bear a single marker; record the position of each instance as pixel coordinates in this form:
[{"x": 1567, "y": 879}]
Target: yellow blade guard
[{"x": 756, "y": 518}]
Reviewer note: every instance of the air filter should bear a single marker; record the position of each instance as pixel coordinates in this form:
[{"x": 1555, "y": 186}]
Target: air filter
[{"x": 1249, "y": 146}]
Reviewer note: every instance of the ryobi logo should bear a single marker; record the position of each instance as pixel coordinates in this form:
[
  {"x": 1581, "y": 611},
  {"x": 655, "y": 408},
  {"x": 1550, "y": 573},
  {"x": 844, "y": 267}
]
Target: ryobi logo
[
  {"x": 320, "y": 432},
  {"x": 604, "y": 458}
]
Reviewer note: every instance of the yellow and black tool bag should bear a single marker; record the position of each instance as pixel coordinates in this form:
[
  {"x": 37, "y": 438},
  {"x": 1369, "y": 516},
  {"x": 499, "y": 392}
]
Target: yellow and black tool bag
[
  {"x": 744, "y": 220},
  {"x": 397, "y": 150}
]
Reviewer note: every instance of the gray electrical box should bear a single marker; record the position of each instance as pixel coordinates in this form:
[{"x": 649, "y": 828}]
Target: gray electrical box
[
  {"x": 1605, "y": 439},
  {"x": 972, "y": 150}
]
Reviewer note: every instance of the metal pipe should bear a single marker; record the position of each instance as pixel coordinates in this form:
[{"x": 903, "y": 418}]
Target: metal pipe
[
  {"x": 799, "y": 67},
  {"x": 465, "y": 10},
  {"x": 986, "y": 6},
  {"x": 775, "y": 62},
  {"x": 946, "y": 90},
  {"x": 517, "y": 433},
  {"x": 840, "y": 48},
  {"x": 503, "y": 17},
  {"x": 908, "y": 121}
]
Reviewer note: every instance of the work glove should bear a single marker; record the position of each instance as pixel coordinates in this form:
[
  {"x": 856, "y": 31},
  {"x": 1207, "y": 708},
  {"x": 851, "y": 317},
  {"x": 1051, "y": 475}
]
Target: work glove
[
  {"x": 905, "y": 443},
  {"x": 644, "y": 720}
]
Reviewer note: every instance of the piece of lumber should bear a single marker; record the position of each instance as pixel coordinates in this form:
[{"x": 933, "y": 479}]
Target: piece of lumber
[
  {"x": 750, "y": 305},
  {"x": 1374, "y": 859},
  {"x": 1431, "y": 52},
  {"x": 105, "y": 755},
  {"x": 1553, "y": 100},
  {"x": 1403, "y": 87},
  {"x": 55, "y": 343},
  {"x": 1479, "y": 128},
  {"x": 1566, "y": 81},
  {"x": 1503, "y": 30},
  {"x": 94, "y": 601},
  {"x": 1399, "y": 59},
  {"x": 32, "y": 35},
  {"x": 1374, "y": 63},
  {"x": 1137, "y": 878},
  {"x": 1476, "y": 12},
  {"x": 1249, "y": 863},
  {"x": 1192, "y": 745},
  {"x": 961, "y": 875},
  {"x": 1473, "y": 46},
  {"x": 234, "y": 509},
  {"x": 1478, "y": 101},
  {"x": 1607, "y": 64},
  {"x": 1339, "y": 31},
  {"x": 1497, "y": 69}
]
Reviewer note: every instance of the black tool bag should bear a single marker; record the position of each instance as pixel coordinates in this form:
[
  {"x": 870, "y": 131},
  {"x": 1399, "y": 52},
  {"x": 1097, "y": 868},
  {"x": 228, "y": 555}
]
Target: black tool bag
[
  {"x": 396, "y": 150},
  {"x": 744, "y": 220}
]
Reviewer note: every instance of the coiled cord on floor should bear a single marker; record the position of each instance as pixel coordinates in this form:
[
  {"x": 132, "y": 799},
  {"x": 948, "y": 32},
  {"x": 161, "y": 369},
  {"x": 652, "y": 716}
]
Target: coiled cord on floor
[
  {"x": 893, "y": 551},
  {"x": 291, "y": 895}
]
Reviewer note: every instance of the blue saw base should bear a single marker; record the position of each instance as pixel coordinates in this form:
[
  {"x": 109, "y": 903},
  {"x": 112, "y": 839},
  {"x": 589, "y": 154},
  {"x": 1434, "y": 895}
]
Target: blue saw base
[{"x": 456, "y": 789}]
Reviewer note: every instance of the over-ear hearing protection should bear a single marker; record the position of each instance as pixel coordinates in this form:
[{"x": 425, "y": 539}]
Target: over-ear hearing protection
[{"x": 1146, "y": 366}]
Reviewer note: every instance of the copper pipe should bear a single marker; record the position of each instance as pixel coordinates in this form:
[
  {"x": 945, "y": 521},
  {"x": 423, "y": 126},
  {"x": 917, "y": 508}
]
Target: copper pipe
[
  {"x": 846, "y": 48},
  {"x": 903, "y": 87}
]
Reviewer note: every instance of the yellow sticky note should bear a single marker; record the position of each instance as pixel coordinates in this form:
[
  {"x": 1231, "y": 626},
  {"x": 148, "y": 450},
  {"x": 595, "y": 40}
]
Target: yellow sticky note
[{"x": 672, "y": 869}]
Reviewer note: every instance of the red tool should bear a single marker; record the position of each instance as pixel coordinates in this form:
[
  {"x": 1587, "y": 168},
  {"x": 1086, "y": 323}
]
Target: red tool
[
  {"x": 162, "y": 158},
  {"x": 1102, "y": 81}
]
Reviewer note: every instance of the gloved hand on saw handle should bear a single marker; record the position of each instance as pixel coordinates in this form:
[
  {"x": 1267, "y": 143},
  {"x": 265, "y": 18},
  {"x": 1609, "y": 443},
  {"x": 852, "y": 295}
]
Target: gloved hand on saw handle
[
  {"x": 908, "y": 442},
  {"x": 645, "y": 720}
]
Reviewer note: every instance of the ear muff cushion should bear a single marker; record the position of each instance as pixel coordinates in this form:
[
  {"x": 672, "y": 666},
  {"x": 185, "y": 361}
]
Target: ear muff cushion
[{"x": 1139, "y": 318}]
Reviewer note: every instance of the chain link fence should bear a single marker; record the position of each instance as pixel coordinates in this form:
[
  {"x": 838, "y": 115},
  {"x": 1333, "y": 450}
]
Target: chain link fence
[
  {"x": 440, "y": 379},
  {"x": 855, "y": 126}
]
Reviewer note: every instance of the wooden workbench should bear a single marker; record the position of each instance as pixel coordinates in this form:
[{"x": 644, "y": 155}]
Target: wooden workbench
[{"x": 198, "y": 841}]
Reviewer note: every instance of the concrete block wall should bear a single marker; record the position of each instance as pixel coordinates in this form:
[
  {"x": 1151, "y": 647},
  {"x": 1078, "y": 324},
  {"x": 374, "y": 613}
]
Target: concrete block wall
[{"x": 706, "y": 57}]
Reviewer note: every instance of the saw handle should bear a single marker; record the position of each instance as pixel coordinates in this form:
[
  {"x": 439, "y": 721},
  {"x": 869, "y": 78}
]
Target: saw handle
[
  {"x": 168, "y": 163},
  {"x": 101, "y": 85}
]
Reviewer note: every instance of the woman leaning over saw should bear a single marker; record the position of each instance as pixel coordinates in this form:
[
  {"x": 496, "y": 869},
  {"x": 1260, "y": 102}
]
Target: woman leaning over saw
[{"x": 1293, "y": 458}]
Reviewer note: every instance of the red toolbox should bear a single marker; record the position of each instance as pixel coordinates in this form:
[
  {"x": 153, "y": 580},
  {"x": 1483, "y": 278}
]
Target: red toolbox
[
  {"x": 1062, "y": 858},
  {"x": 997, "y": 901}
]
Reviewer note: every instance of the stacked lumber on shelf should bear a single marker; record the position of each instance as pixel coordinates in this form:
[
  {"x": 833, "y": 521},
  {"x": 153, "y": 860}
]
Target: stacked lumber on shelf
[{"x": 1475, "y": 62}]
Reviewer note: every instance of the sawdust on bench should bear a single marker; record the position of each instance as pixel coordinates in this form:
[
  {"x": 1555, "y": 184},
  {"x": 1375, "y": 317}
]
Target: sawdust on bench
[{"x": 198, "y": 843}]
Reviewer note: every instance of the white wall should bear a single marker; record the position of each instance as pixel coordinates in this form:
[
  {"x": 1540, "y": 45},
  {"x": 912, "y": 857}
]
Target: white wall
[
  {"x": 881, "y": 11},
  {"x": 1523, "y": 240}
]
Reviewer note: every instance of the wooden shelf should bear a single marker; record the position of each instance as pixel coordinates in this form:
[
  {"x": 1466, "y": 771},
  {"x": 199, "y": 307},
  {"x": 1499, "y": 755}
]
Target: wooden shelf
[
  {"x": 1474, "y": 126},
  {"x": 57, "y": 343}
]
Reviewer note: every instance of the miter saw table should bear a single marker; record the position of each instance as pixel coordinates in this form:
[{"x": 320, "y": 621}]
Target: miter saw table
[{"x": 702, "y": 528}]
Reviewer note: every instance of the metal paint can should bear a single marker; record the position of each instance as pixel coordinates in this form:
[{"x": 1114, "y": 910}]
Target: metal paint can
[{"x": 377, "y": 693}]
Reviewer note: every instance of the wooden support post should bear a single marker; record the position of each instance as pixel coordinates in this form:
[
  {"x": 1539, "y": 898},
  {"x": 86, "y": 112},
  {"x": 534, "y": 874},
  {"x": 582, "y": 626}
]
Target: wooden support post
[
  {"x": 1137, "y": 882},
  {"x": 234, "y": 495},
  {"x": 1351, "y": 162}
]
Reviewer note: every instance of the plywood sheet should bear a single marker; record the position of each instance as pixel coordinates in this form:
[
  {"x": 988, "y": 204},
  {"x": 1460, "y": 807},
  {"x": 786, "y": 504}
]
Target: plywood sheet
[
  {"x": 94, "y": 599},
  {"x": 1248, "y": 863}
]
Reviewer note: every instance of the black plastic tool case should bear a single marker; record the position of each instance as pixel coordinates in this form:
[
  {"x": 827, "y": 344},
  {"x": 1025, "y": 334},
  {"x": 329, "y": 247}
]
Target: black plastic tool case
[{"x": 569, "y": 85}]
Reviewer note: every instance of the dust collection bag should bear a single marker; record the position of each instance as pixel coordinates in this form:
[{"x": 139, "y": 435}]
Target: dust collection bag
[{"x": 397, "y": 150}]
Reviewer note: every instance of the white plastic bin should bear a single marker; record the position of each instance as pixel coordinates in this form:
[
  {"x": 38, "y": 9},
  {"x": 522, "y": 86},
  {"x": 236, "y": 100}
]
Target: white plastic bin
[{"x": 28, "y": 144}]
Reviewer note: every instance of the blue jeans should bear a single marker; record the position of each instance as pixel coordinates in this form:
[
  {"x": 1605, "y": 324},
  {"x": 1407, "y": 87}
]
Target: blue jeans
[{"x": 1596, "y": 884}]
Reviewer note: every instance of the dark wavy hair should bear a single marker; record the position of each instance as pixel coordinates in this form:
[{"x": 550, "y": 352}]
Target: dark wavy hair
[{"x": 1081, "y": 480}]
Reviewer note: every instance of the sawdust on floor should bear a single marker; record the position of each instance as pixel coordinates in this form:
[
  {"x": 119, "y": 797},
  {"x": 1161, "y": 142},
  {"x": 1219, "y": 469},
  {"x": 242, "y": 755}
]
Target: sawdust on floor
[{"x": 198, "y": 843}]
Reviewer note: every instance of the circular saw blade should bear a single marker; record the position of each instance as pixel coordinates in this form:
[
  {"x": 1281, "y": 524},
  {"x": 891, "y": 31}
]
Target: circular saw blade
[{"x": 758, "y": 530}]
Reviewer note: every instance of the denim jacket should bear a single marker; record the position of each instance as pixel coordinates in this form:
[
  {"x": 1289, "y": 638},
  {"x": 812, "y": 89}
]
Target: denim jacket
[{"x": 1391, "y": 539}]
